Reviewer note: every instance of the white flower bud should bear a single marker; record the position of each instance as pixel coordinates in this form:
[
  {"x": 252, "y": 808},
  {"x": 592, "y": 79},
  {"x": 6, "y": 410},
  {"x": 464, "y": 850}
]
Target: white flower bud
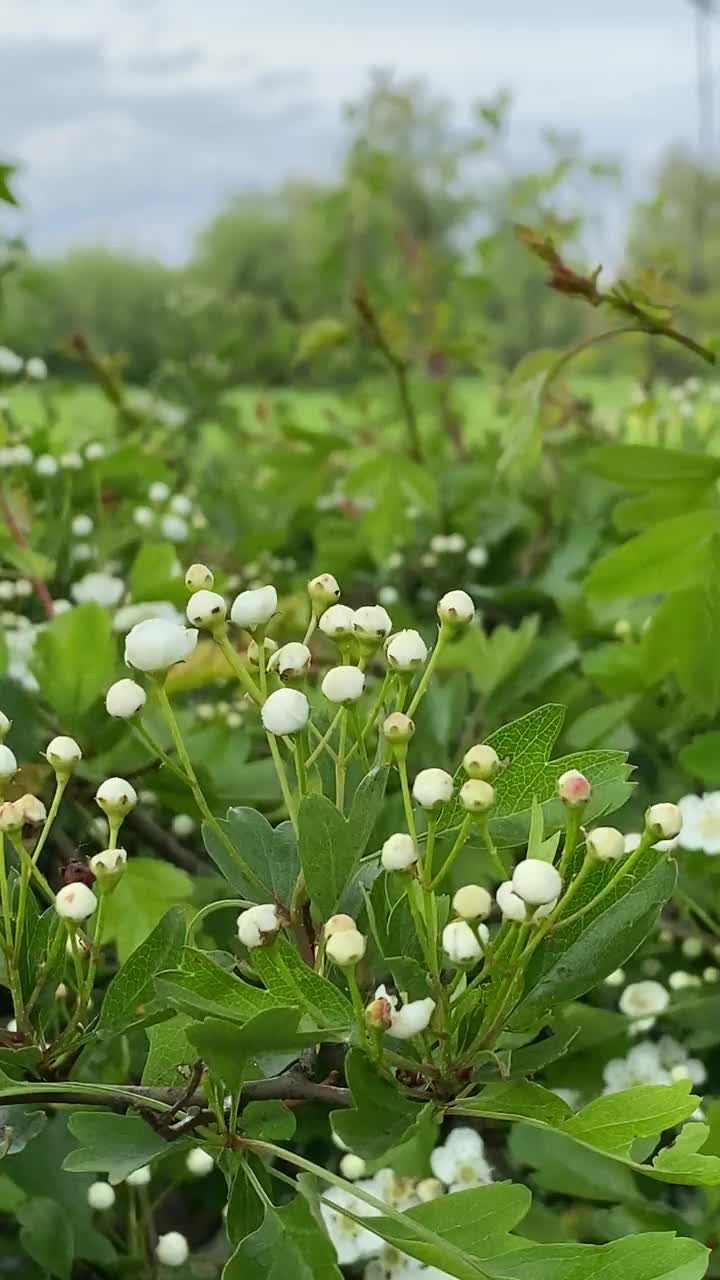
[
  {"x": 199, "y": 578},
  {"x": 397, "y": 727},
  {"x": 510, "y": 904},
  {"x": 606, "y": 843},
  {"x": 411, "y": 1019},
  {"x": 460, "y": 942},
  {"x": 46, "y": 465},
  {"x": 172, "y": 1249},
  {"x": 100, "y": 1196},
  {"x": 158, "y": 643},
  {"x": 372, "y": 622},
  {"x": 11, "y": 816},
  {"x": 182, "y": 825},
  {"x": 456, "y": 608},
  {"x": 63, "y": 754},
  {"x": 429, "y": 1189},
  {"x": 323, "y": 591},
  {"x": 8, "y": 763},
  {"x": 71, "y": 461},
  {"x": 406, "y": 650},
  {"x": 254, "y": 608},
  {"x": 258, "y": 925},
  {"x": 337, "y": 622},
  {"x": 36, "y": 368},
  {"x": 481, "y": 762},
  {"x": 573, "y": 788},
  {"x": 343, "y": 684},
  {"x": 139, "y": 1177},
  {"x": 286, "y": 711},
  {"x": 346, "y": 948},
  {"x": 116, "y": 797},
  {"x": 206, "y": 609},
  {"x": 109, "y": 863},
  {"x": 664, "y": 820},
  {"x": 199, "y": 1162},
  {"x": 472, "y": 902},
  {"x": 5, "y": 725},
  {"x": 33, "y": 810},
  {"x": 82, "y": 526},
  {"x": 124, "y": 699},
  {"x": 337, "y": 923},
  {"x": 477, "y": 796},
  {"x": 432, "y": 788},
  {"x": 291, "y": 662},
  {"x": 399, "y": 852},
  {"x": 75, "y": 902},
  {"x": 159, "y": 491},
  {"x": 352, "y": 1167},
  {"x": 269, "y": 647},
  {"x": 536, "y": 882},
  {"x": 95, "y": 451},
  {"x": 644, "y": 999}
]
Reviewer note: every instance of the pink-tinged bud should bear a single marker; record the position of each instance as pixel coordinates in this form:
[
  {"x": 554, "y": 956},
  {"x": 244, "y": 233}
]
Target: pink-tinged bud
[
  {"x": 379, "y": 1013},
  {"x": 573, "y": 788}
]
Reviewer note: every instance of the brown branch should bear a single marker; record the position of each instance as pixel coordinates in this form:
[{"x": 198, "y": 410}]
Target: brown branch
[{"x": 165, "y": 843}]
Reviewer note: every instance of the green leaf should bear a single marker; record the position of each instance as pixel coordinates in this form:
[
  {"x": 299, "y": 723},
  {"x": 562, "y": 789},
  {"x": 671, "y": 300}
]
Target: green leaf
[
  {"x": 639, "y": 466},
  {"x": 245, "y": 1211},
  {"x": 670, "y": 555},
  {"x": 656, "y": 1256},
  {"x": 684, "y": 635},
  {"x": 6, "y": 193},
  {"x": 47, "y": 1236},
  {"x": 266, "y": 865},
  {"x": 319, "y": 337},
  {"x": 18, "y": 1127},
  {"x": 145, "y": 893},
  {"x": 112, "y": 1144},
  {"x": 701, "y": 756},
  {"x": 169, "y": 1049},
  {"x": 233, "y": 1052},
  {"x": 293, "y": 983},
  {"x": 155, "y": 573},
  {"x": 31, "y": 563},
  {"x": 70, "y": 686},
  {"x": 268, "y": 1121},
  {"x": 331, "y": 846},
  {"x": 288, "y": 1243},
  {"x": 132, "y": 989},
  {"x": 381, "y": 1117},
  {"x": 200, "y": 986}
]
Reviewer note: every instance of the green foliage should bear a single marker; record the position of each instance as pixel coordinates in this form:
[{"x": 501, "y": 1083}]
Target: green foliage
[
  {"x": 111, "y": 1144},
  {"x": 71, "y": 687}
]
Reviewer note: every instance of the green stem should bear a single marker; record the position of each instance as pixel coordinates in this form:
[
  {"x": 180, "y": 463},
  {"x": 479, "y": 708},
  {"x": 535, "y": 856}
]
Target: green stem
[
  {"x": 4, "y": 895},
  {"x": 300, "y": 747},
  {"x": 322, "y": 744},
  {"x": 234, "y": 661},
  {"x": 154, "y": 748},
  {"x": 282, "y": 779},
  {"x": 227, "y": 903},
  {"x": 34, "y": 872},
  {"x": 60, "y": 786},
  {"x": 340, "y": 764},
  {"x": 703, "y": 916},
  {"x": 626, "y": 866},
  {"x": 442, "y": 638},
  {"x": 492, "y": 849},
  {"x": 357, "y": 733},
  {"x": 460, "y": 840},
  {"x": 572, "y": 831},
  {"x": 94, "y": 949},
  {"x": 407, "y": 805}
]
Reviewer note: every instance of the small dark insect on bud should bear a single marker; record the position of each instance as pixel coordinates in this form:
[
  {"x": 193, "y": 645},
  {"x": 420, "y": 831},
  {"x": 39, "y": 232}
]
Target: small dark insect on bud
[{"x": 77, "y": 872}]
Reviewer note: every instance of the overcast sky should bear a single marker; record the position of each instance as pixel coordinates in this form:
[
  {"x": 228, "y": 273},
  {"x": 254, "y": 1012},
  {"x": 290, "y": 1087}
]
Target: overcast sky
[{"x": 134, "y": 119}]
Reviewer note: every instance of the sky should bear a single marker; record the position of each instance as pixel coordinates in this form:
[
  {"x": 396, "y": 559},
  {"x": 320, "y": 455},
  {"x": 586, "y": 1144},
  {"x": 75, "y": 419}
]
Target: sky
[{"x": 133, "y": 120}]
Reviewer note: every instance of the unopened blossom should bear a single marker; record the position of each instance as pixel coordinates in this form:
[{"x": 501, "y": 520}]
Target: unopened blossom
[
  {"x": 199, "y": 1162},
  {"x": 143, "y": 517},
  {"x": 337, "y": 622},
  {"x": 324, "y": 591},
  {"x": 291, "y": 661},
  {"x": 157, "y": 644},
  {"x": 337, "y": 923},
  {"x": 36, "y": 368},
  {"x": 456, "y": 608},
  {"x": 159, "y": 491},
  {"x": 10, "y": 362},
  {"x": 397, "y": 727},
  {"x": 432, "y": 788},
  {"x": 477, "y": 796},
  {"x": 461, "y": 1162},
  {"x": 206, "y": 609},
  {"x": 477, "y": 556},
  {"x": 411, "y": 1018},
  {"x": 82, "y": 525},
  {"x": 199, "y": 578},
  {"x": 116, "y": 797},
  {"x": 181, "y": 504},
  {"x": 63, "y": 754},
  {"x": 46, "y": 465},
  {"x": 124, "y": 699},
  {"x": 472, "y": 902},
  {"x": 644, "y": 999},
  {"x": 536, "y": 882},
  {"x": 346, "y": 948},
  {"x": 372, "y": 622},
  {"x": 258, "y": 925},
  {"x": 98, "y": 588},
  {"x": 399, "y": 852},
  {"x": 664, "y": 820},
  {"x": 139, "y": 1177},
  {"x": 481, "y": 761},
  {"x": 12, "y": 817},
  {"x": 182, "y": 825},
  {"x": 75, "y": 902},
  {"x": 71, "y": 460},
  {"x": 173, "y": 527},
  {"x": 680, "y": 980},
  {"x": 286, "y": 711},
  {"x": 109, "y": 863},
  {"x": 8, "y": 763},
  {"x": 5, "y": 725},
  {"x": 406, "y": 651},
  {"x": 606, "y": 843},
  {"x": 510, "y": 903},
  {"x": 172, "y": 1249},
  {"x": 343, "y": 685},
  {"x": 269, "y": 647},
  {"x": 460, "y": 942},
  {"x": 32, "y": 808},
  {"x": 100, "y": 1196},
  {"x": 352, "y": 1167},
  {"x": 95, "y": 451},
  {"x": 573, "y": 788},
  {"x": 254, "y": 608}
]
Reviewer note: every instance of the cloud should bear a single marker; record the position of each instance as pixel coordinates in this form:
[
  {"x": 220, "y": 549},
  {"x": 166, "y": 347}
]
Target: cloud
[{"x": 164, "y": 64}]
